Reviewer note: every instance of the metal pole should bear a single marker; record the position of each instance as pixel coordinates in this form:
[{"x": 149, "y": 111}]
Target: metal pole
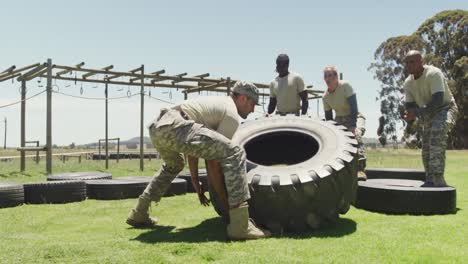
[
  {"x": 4, "y": 143},
  {"x": 228, "y": 85},
  {"x": 23, "y": 125},
  {"x": 341, "y": 76},
  {"x": 118, "y": 149},
  {"x": 49, "y": 118},
  {"x": 37, "y": 152},
  {"x": 318, "y": 103},
  {"x": 142, "y": 104},
  {"x": 107, "y": 134}
]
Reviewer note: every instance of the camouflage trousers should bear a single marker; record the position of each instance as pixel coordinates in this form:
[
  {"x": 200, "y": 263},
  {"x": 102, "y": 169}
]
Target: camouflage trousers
[
  {"x": 361, "y": 129},
  {"x": 434, "y": 142},
  {"x": 172, "y": 135}
]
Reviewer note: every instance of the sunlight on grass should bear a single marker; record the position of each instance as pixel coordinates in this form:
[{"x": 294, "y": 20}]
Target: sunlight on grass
[{"x": 94, "y": 231}]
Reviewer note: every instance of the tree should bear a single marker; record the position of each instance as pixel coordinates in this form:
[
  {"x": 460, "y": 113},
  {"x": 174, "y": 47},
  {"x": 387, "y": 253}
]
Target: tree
[{"x": 442, "y": 40}]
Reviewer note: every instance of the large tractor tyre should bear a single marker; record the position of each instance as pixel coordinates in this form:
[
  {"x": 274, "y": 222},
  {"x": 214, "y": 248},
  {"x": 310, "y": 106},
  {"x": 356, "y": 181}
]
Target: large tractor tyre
[
  {"x": 11, "y": 194},
  {"x": 396, "y": 196},
  {"x": 81, "y": 176},
  {"x": 54, "y": 192},
  {"x": 396, "y": 173},
  {"x": 302, "y": 173},
  {"x": 202, "y": 176}
]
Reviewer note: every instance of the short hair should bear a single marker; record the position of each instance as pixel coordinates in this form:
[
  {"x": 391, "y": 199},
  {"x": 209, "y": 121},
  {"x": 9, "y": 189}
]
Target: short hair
[
  {"x": 282, "y": 57},
  {"x": 331, "y": 68}
]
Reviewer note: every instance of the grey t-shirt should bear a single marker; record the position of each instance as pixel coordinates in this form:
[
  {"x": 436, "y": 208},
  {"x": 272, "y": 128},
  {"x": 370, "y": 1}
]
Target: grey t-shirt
[
  {"x": 218, "y": 113},
  {"x": 286, "y": 90}
]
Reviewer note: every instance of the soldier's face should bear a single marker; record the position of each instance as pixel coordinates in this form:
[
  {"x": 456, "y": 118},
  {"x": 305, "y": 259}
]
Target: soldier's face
[
  {"x": 246, "y": 106},
  {"x": 413, "y": 64},
  {"x": 282, "y": 67},
  {"x": 330, "y": 77}
]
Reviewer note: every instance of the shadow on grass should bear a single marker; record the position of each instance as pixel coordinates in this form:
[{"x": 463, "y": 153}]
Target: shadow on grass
[
  {"x": 214, "y": 230},
  {"x": 342, "y": 227},
  {"x": 209, "y": 230},
  {"x": 16, "y": 174}
]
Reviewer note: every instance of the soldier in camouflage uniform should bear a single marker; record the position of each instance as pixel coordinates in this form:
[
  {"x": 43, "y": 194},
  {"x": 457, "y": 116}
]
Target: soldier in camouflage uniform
[
  {"x": 203, "y": 128},
  {"x": 428, "y": 98},
  {"x": 341, "y": 97}
]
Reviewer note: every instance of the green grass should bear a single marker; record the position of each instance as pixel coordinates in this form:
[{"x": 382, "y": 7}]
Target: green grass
[{"x": 94, "y": 231}]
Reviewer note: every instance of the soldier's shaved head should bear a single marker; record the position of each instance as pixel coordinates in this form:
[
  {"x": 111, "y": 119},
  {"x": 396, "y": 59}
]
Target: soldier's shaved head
[
  {"x": 415, "y": 53},
  {"x": 414, "y": 63}
]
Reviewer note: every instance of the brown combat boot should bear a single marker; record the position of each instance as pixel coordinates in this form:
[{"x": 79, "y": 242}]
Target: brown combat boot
[
  {"x": 241, "y": 227},
  {"x": 139, "y": 216},
  {"x": 361, "y": 176}
]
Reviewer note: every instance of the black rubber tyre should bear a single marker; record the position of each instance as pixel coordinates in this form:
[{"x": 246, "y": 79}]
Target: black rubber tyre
[
  {"x": 54, "y": 192},
  {"x": 395, "y": 196},
  {"x": 82, "y": 176},
  {"x": 302, "y": 173},
  {"x": 11, "y": 194},
  {"x": 146, "y": 179},
  {"x": 396, "y": 173},
  {"x": 115, "y": 189},
  {"x": 178, "y": 187},
  {"x": 188, "y": 178},
  {"x": 128, "y": 187}
]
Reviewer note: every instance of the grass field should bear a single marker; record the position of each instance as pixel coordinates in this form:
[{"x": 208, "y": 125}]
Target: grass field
[{"x": 94, "y": 231}]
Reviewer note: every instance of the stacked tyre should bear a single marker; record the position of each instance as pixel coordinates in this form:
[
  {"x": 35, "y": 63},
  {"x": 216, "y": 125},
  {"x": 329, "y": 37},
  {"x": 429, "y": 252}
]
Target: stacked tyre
[{"x": 400, "y": 191}]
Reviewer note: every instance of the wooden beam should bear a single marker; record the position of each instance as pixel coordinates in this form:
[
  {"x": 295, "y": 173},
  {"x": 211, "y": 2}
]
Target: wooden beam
[
  {"x": 113, "y": 77},
  {"x": 155, "y": 74},
  {"x": 79, "y": 65},
  {"x": 9, "y": 69},
  {"x": 158, "y": 72},
  {"x": 135, "y": 70},
  {"x": 89, "y": 74},
  {"x": 19, "y": 70},
  {"x": 32, "y": 73},
  {"x": 202, "y": 75},
  {"x": 150, "y": 84},
  {"x": 9, "y": 77}
]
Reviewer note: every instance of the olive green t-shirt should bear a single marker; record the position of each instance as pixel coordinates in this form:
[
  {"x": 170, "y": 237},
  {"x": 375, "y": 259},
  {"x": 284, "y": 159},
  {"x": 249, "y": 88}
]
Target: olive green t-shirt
[
  {"x": 218, "y": 113},
  {"x": 421, "y": 90},
  {"x": 286, "y": 90},
  {"x": 338, "y": 99}
]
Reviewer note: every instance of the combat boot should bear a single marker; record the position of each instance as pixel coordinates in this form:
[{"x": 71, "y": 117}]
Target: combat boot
[
  {"x": 139, "y": 216},
  {"x": 241, "y": 227},
  {"x": 439, "y": 181},
  {"x": 361, "y": 175}
]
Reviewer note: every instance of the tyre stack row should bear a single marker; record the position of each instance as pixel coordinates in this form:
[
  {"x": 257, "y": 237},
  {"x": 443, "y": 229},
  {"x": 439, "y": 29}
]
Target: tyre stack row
[{"x": 77, "y": 186}]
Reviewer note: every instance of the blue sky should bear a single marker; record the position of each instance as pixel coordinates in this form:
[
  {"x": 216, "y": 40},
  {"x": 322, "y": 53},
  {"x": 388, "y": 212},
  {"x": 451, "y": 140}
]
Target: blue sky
[{"x": 240, "y": 39}]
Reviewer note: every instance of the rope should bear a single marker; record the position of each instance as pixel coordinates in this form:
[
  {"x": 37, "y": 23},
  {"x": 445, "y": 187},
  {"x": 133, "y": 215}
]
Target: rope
[
  {"x": 17, "y": 102},
  {"x": 161, "y": 100},
  {"x": 96, "y": 98}
]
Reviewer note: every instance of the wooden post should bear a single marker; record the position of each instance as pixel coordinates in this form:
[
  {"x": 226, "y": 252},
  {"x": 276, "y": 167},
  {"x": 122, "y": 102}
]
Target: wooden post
[
  {"x": 118, "y": 149},
  {"x": 228, "y": 86},
  {"x": 142, "y": 105},
  {"x": 4, "y": 142},
  {"x": 23, "y": 125},
  {"x": 107, "y": 134},
  {"x": 49, "y": 118}
]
